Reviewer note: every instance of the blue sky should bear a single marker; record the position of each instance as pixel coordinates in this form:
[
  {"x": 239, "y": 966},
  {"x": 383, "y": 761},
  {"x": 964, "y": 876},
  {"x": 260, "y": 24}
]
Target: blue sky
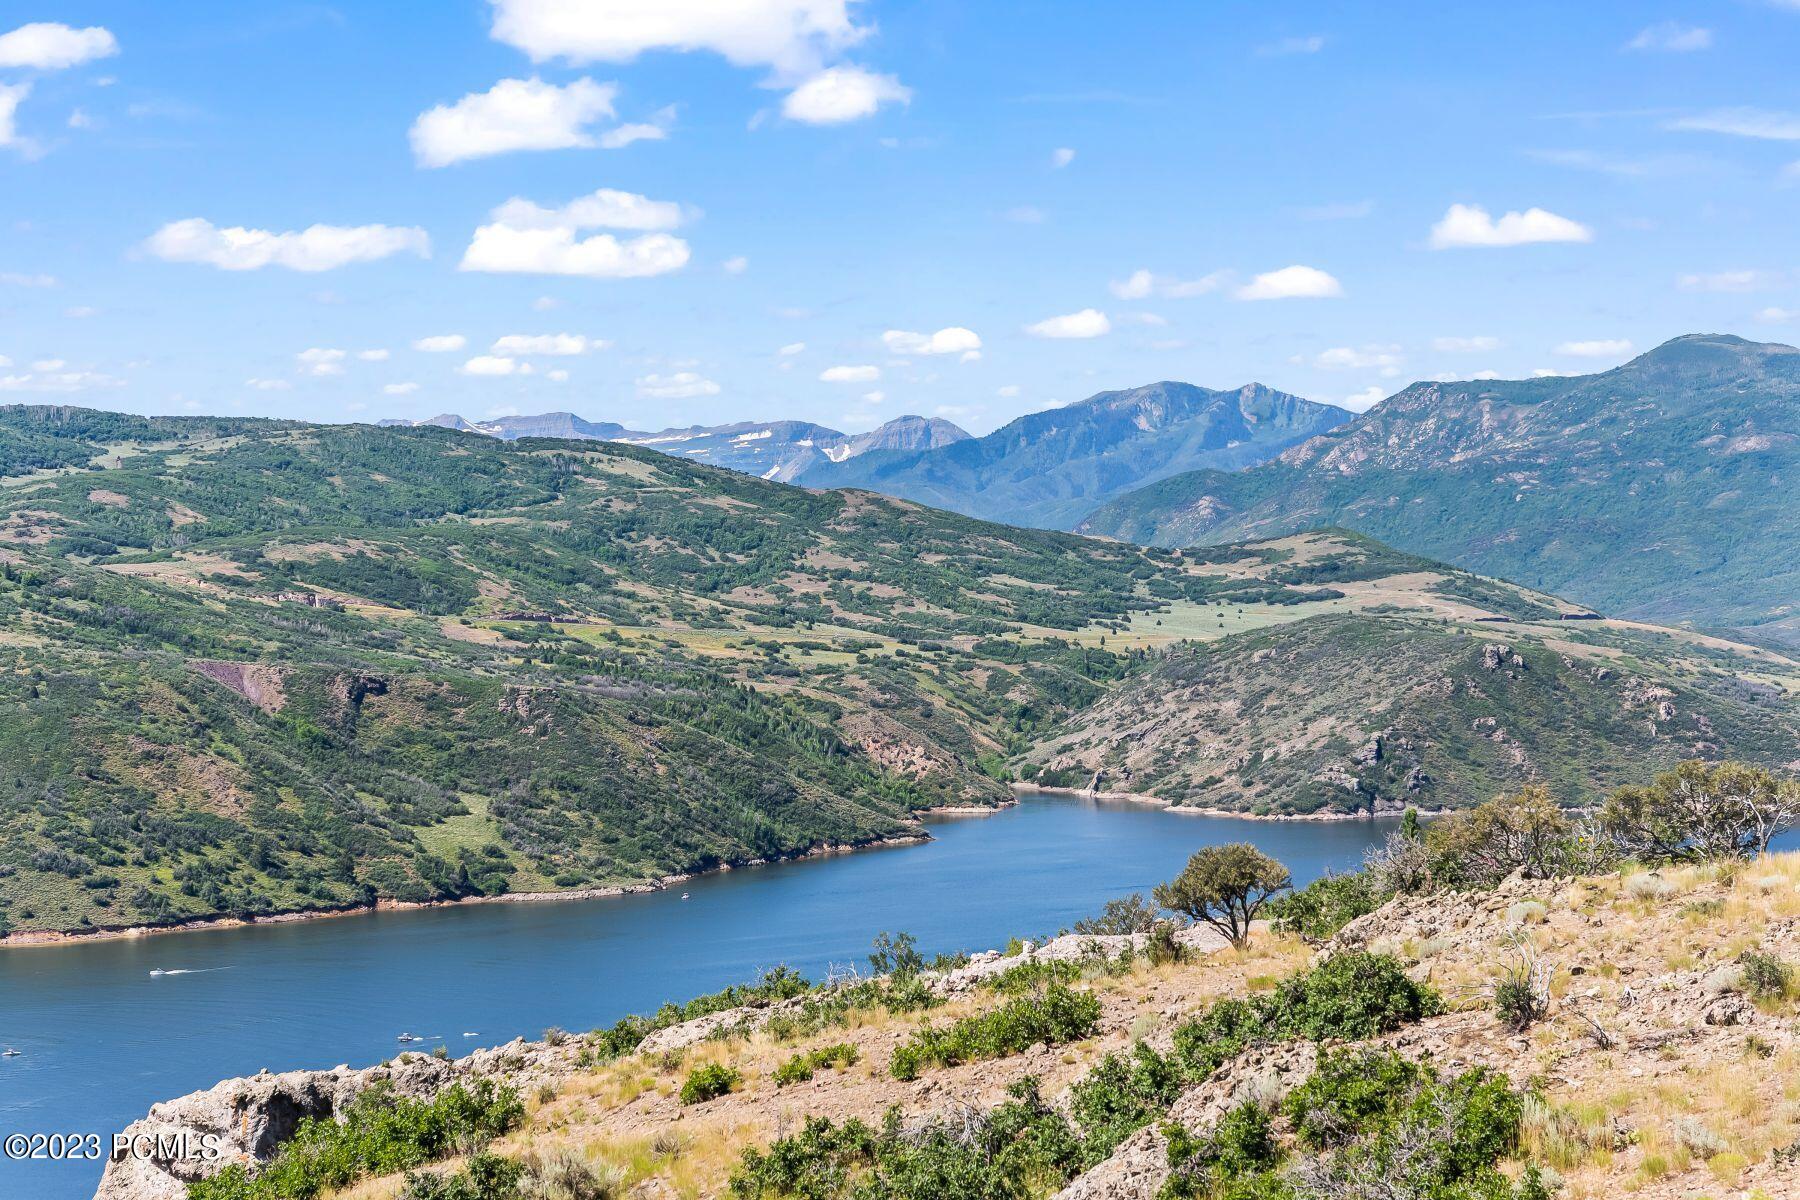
[{"x": 970, "y": 210}]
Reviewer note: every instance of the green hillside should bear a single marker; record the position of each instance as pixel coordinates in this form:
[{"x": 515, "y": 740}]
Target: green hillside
[
  {"x": 249, "y": 667},
  {"x": 1661, "y": 490}
]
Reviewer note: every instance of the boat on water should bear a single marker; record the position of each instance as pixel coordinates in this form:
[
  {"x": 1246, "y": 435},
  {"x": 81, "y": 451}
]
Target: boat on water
[{"x": 409, "y": 1037}]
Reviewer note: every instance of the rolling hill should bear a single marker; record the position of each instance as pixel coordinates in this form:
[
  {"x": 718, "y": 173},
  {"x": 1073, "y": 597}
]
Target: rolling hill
[
  {"x": 1049, "y": 469},
  {"x": 1662, "y": 490},
  {"x": 250, "y": 666}
]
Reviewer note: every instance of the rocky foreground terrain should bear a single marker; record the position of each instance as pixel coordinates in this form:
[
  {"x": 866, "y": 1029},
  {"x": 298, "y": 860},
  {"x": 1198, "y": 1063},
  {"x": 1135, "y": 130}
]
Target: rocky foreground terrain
[{"x": 1656, "y": 1072}]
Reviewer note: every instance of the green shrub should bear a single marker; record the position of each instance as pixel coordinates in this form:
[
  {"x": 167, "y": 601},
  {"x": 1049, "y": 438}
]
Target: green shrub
[
  {"x": 1241, "y": 1145},
  {"x": 1020, "y": 1149},
  {"x": 485, "y": 1177},
  {"x": 800, "y": 1067},
  {"x": 1120, "y": 1096},
  {"x": 708, "y": 1082},
  {"x": 1059, "y": 1015},
  {"x": 380, "y": 1134},
  {"x": 1225, "y": 887},
  {"x": 1765, "y": 976},
  {"x": 1346, "y": 1091},
  {"x": 1325, "y": 906},
  {"x": 1126, "y": 914}
]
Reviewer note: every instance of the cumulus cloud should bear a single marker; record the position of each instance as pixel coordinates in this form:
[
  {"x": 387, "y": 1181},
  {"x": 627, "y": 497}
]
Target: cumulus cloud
[
  {"x": 1385, "y": 359},
  {"x": 1088, "y": 323},
  {"x": 1672, "y": 37},
  {"x": 859, "y": 374},
  {"x": 316, "y": 248},
  {"x": 48, "y": 46},
  {"x": 57, "y": 381},
  {"x": 1007, "y": 391},
  {"x": 792, "y": 348},
  {"x": 682, "y": 385},
  {"x": 1471, "y": 225},
  {"x": 552, "y": 345},
  {"x": 1061, "y": 157},
  {"x": 557, "y": 376},
  {"x": 514, "y": 114},
  {"x": 1757, "y": 123},
  {"x": 267, "y": 385},
  {"x": 26, "y": 279},
  {"x": 1143, "y": 283},
  {"x": 1364, "y": 400},
  {"x": 736, "y": 265},
  {"x": 321, "y": 361},
  {"x": 441, "y": 343},
  {"x": 400, "y": 389},
  {"x": 523, "y": 237},
  {"x": 794, "y": 37},
  {"x": 372, "y": 355},
  {"x": 952, "y": 340},
  {"x": 1291, "y": 283},
  {"x": 491, "y": 364},
  {"x": 1465, "y": 345},
  {"x": 1598, "y": 348},
  {"x": 1778, "y": 316},
  {"x": 11, "y": 95},
  {"x": 840, "y": 94}
]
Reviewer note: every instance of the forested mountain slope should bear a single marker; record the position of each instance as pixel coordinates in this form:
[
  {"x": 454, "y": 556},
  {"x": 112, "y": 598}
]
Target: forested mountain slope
[
  {"x": 1048, "y": 469},
  {"x": 1664, "y": 489}
]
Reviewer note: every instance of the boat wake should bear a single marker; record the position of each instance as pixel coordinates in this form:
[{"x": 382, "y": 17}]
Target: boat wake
[{"x": 159, "y": 972}]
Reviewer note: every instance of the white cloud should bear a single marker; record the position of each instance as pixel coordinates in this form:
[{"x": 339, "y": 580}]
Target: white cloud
[
  {"x": 1598, "y": 348},
  {"x": 1546, "y": 373},
  {"x": 514, "y": 114},
  {"x": 1061, "y": 157},
  {"x": 490, "y": 364},
  {"x": 1465, "y": 345},
  {"x": 792, "y": 36},
  {"x": 321, "y": 361},
  {"x": 1007, "y": 391},
  {"x": 1471, "y": 225},
  {"x": 400, "y": 389},
  {"x": 953, "y": 340},
  {"x": 49, "y": 364},
  {"x": 1364, "y": 400},
  {"x": 861, "y": 374},
  {"x": 441, "y": 343},
  {"x": 682, "y": 385},
  {"x": 1305, "y": 283},
  {"x": 840, "y": 94},
  {"x": 24, "y": 279},
  {"x": 1026, "y": 214},
  {"x": 557, "y": 376},
  {"x": 735, "y": 266},
  {"x": 58, "y": 381},
  {"x": 874, "y": 397},
  {"x": 47, "y": 46},
  {"x": 1742, "y": 122},
  {"x": 1730, "y": 281},
  {"x": 81, "y": 312},
  {"x": 1294, "y": 45},
  {"x": 79, "y": 119},
  {"x": 316, "y": 248},
  {"x": 621, "y": 136},
  {"x": 792, "y": 348},
  {"x": 554, "y": 345},
  {"x": 1088, "y": 323},
  {"x": 1672, "y": 37},
  {"x": 10, "y": 98},
  {"x": 373, "y": 355},
  {"x": 524, "y": 237},
  {"x": 1385, "y": 359},
  {"x": 605, "y": 208},
  {"x": 1778, "y": 316},
  {"x": 545, "y": 303},
  {"x": 268, "y": 385},
  {"x": 1142, "y": 283}
]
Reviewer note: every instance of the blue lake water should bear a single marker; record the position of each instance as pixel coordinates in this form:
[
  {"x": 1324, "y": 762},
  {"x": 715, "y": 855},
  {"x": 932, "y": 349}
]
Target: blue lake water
[{"x": 101, "y": 1039}]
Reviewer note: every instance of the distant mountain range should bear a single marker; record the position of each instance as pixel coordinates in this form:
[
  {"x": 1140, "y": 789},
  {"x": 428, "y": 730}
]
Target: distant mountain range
[
  {"x": 1665, "y": 489},
  {"x": 1049, "y": 469},
  {"x": 778, "y": 450}
]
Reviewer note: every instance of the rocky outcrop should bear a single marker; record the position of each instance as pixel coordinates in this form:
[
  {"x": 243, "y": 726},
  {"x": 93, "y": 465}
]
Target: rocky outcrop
[
  {"x": 258, "y": 683},
  {"x": 248, "y": 1119}
]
